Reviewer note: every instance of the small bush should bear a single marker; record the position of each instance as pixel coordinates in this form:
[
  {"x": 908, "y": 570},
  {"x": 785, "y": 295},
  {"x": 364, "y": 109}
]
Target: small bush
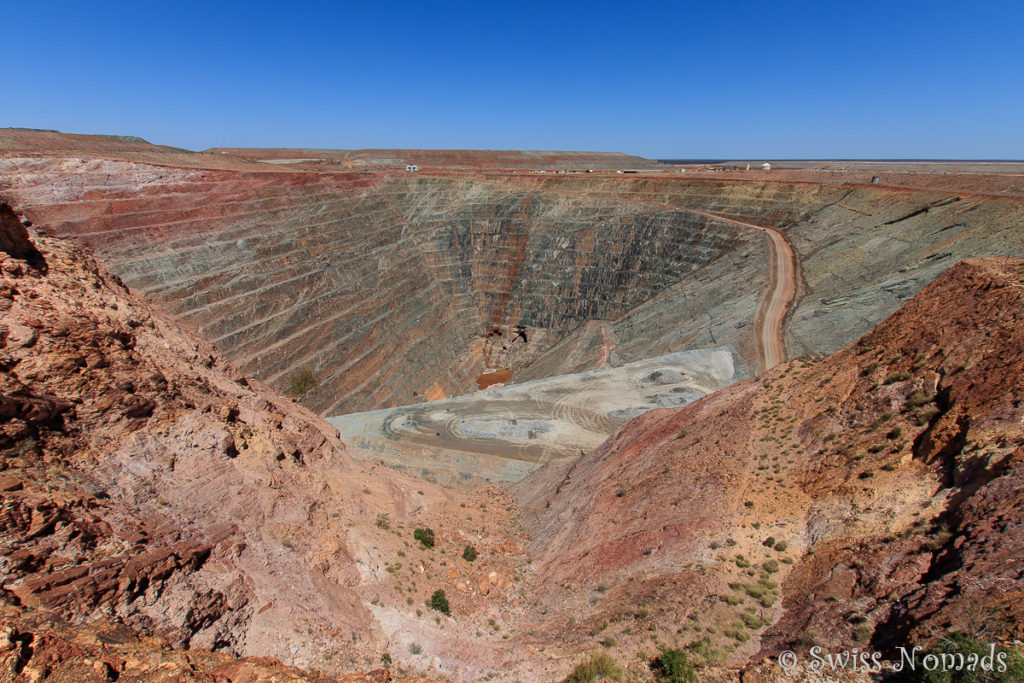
[
  {"x": 771, "y": 566},
  {"x": 752, "y": 621},
  {"x": 673, "y": 665},
  {"x": 737, "y": 632},
  {"x": 894, "y": 433},
  {"x": 781, "y": 546},
  {"x": 302, "y": 382},
  {"x": 600, "y": 666},
  {"x": 469, "y": 553},
  {"x": 702, "y": 652},
  {"x": 439, "y": 602},
  {"x": 415, "y": 648},
  {"x": 424, "y": 536},
  {"x": 897, "y": 376},
  {"x": 918, "y": 398},
  {"x": 768, "y": 542},
  {"x": 940, "y": 537}
]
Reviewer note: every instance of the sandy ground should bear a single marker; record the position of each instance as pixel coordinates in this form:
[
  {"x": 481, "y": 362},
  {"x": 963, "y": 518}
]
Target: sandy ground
[{"x": 536, "y": 421}]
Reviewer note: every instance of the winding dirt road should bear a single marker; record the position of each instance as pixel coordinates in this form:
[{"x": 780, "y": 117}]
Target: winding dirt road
[{"x": 771, "y": 314}]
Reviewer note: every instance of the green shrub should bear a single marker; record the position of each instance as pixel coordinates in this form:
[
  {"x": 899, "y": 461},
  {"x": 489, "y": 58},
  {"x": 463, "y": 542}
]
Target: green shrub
[
  {"x": 600, "y": 666},
  {"x": 781, "y": 546},
  {"x": 673, "y": 665},
  {"x": 439, "y": 601},
  {"x": 425, "y": 537},
  {"x": 768, "y": 542},
  {"x": 469, "y": 553},
  {"x": 302, "y": 382}
]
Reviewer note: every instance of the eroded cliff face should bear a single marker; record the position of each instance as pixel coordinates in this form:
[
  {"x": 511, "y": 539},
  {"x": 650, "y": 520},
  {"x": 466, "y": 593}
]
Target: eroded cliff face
[
  {"x": 872, "y": 497},
  {"x": 147, "y": 483}
]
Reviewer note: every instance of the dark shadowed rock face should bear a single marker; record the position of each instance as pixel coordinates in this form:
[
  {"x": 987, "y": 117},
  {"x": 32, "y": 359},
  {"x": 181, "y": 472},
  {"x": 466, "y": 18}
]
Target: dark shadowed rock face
[{"x": 14, "y": 239}]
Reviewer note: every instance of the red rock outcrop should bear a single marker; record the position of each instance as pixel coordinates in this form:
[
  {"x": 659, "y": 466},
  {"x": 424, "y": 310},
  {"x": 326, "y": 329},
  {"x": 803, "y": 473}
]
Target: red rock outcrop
[
  {"x": 145, "y": 481},
  {"x": 874, "y": 496}
]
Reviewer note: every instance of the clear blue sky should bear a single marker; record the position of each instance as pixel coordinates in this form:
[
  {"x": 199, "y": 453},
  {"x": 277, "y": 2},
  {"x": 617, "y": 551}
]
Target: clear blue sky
[{"x": 818, "y": 79}]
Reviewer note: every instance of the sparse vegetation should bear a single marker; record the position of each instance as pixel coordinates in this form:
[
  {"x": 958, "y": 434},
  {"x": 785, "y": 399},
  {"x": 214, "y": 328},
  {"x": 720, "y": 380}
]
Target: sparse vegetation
[
  {"x": 896, "y": 376},
  {"x": 956, "y": 651},
  {"x": 424, "y": 536},
  {"x": 674, "y": 666},
  {"x": 302, "y": 382},
  {"x": 752, "y": 621},
  {"x": 918, "y": 398},
  {"x": 469, "y": 553},
  {"x": 439, "y": 601},
  {"x": 599, "y": 667}
]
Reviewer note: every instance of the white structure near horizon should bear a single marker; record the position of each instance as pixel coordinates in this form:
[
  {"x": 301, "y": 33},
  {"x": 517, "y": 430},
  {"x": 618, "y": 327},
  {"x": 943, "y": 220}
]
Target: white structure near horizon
[
  {"x": 766, "y": 166},
  {"x": 412, "y": 168}
]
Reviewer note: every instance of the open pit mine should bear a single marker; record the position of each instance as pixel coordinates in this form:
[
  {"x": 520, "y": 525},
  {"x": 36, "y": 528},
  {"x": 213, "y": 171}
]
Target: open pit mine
[{"x": 399, "y": 415}]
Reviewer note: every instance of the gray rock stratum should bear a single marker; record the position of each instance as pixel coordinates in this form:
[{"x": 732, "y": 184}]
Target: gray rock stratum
[{"x": 393, "y": 288}]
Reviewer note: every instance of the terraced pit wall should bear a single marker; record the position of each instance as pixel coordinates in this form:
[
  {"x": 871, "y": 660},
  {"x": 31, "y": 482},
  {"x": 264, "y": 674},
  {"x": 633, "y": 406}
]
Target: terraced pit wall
[
  {"x": 394, "y": 287},
  {"x": 385, "y": 287}
]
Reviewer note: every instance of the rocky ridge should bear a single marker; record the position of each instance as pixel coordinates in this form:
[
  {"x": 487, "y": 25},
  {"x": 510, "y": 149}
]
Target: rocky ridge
[
  {"x": 146, "y": 483},
  {"x": 872, "y": 498}
]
